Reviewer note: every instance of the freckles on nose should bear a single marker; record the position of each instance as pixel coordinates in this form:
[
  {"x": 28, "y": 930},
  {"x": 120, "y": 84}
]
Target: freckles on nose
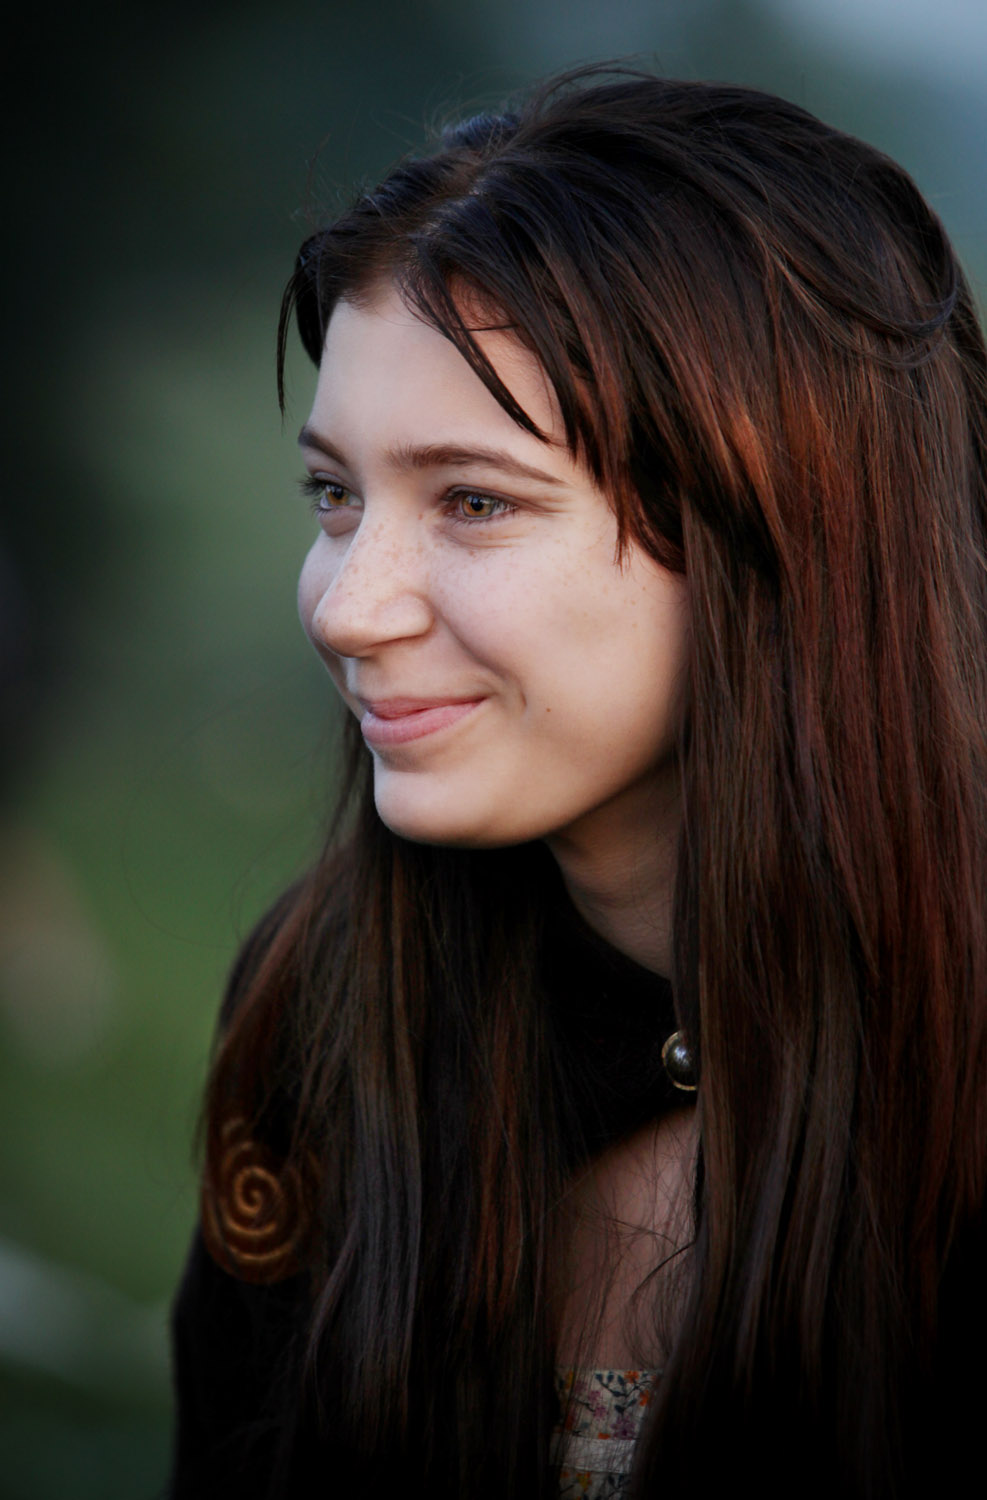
[{"x": 377, "y": 592}]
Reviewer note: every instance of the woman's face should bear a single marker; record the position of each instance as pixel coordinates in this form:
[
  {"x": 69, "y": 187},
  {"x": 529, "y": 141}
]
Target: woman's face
[{"x": 512, "y": 679}]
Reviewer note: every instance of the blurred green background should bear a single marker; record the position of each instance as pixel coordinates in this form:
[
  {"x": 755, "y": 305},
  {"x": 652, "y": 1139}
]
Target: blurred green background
[{"x": 165, "y": 740}]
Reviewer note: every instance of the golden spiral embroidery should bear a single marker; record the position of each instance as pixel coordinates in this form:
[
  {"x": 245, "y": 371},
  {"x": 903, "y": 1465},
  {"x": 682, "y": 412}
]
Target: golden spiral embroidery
[{"x": 253, "y": 1217}]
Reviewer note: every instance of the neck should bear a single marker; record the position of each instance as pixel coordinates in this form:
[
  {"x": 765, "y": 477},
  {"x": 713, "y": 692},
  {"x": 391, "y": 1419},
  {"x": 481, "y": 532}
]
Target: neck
[{"x": 618, "y": 865}]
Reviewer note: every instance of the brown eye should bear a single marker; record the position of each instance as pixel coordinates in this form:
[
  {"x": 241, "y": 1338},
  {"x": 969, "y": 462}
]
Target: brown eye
[
  {"x": 475, "y": 507},
  {"x": 326, "y": 495}
]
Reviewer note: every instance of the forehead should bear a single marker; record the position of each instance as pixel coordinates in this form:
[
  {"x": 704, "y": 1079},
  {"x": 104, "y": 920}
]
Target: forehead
[{"x": 379, "y": 355}]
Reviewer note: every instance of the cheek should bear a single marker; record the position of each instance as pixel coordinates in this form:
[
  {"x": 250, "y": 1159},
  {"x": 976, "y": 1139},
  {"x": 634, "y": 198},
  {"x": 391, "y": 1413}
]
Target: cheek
[
  {"x": 527, "y": 608},
  {"x": 311, "y": 587},
  {"x": 619, "y": 659},
  {"x": 313, "y": 581}
]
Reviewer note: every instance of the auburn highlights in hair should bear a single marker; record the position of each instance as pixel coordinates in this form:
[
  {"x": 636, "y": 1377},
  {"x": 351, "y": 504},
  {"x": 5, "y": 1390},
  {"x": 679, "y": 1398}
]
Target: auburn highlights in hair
[{"x": 764, "y": 350}]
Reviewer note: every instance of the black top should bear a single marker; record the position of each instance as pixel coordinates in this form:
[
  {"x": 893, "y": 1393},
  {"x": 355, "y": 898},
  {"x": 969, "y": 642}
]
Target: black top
[
  {"x": 241, "y": 1431},
  {"x": 236, "y": 1346}
]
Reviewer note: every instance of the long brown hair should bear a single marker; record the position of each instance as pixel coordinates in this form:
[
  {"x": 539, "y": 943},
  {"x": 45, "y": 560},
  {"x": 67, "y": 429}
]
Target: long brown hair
[{"x": 764, "y": 350}]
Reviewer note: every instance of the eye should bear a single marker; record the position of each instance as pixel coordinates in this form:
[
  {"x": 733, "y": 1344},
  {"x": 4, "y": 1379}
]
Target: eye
[
  {"x": 331, "y": 495},
  {"x": 471, "y": 505},
  {"x": 326, "y": 495}
]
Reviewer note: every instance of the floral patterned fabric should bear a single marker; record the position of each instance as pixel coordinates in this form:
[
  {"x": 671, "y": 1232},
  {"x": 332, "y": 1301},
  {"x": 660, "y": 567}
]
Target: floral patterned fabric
[{"x": 601, "y": 1416}]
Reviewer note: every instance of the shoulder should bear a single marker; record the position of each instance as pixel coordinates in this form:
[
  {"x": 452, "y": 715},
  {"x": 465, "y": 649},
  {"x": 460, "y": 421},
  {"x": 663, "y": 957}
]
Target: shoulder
[
  {"x": 299, "y": 937},
  {"x": 235, "y": 1351},
  {"x": 258, "y": 1185},
  {"x": 257, "y": 946}
]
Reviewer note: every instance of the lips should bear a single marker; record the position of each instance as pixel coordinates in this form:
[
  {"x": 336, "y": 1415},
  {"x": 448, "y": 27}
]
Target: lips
[{"x": 396, "y": 721}]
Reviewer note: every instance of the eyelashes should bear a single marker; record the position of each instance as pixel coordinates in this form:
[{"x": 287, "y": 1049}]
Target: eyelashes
[
  {"x": 318, "y": 491},
  {"x": 463, "y": 505},
  {"x": 474, "y": 506}
]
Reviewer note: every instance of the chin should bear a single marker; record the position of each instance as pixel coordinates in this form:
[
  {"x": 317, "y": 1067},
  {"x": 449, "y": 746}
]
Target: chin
[
  {"x": 445, "y": 835},
  {"x": 441, "y": 826}
]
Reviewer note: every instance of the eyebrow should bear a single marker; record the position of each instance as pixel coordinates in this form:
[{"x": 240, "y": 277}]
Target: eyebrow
[{"x": 436, "y": 456}]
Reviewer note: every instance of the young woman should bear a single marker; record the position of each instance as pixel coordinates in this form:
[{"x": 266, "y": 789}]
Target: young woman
[{"x": 604, "y": 1114}]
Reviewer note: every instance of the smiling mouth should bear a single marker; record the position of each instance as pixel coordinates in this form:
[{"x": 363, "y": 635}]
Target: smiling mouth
[{"x": 396, "y": 721}]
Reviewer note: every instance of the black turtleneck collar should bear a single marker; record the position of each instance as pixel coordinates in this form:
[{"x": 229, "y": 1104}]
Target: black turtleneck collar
[{"x": 610, "y": 1018}]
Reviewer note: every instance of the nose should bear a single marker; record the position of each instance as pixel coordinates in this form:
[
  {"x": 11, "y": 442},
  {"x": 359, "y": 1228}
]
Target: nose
[{"x": 366, "y": 591}]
